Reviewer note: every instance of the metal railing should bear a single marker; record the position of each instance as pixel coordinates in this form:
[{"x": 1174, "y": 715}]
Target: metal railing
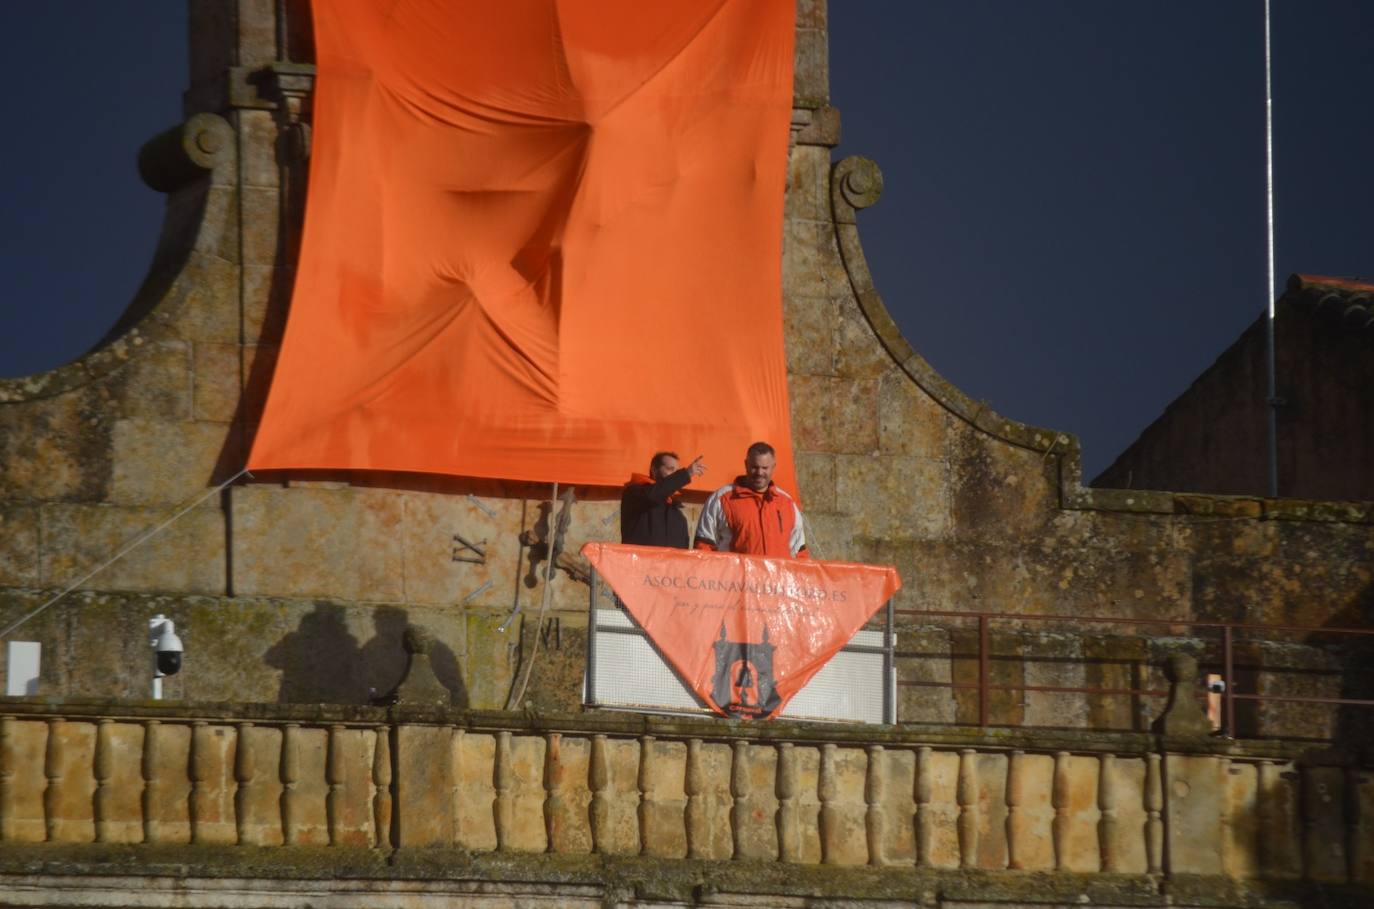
[{"x": 1208, "y": 635}]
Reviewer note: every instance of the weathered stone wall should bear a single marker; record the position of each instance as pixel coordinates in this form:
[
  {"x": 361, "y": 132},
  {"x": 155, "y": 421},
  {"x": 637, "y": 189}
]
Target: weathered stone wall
[
  {"x": 1214, "y": 438},
  {"x": 295, "y": 588},
  {"x": 562, "y": 801}
]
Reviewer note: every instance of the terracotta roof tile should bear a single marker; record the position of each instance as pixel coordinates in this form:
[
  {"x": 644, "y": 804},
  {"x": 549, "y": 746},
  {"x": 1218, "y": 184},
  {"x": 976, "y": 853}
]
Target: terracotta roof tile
[{"x": 1347, "y": 301}]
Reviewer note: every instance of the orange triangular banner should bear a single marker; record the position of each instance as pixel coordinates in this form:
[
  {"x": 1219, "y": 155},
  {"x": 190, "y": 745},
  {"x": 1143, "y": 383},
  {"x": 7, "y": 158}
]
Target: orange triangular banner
[{"x": 746, "y": 633}]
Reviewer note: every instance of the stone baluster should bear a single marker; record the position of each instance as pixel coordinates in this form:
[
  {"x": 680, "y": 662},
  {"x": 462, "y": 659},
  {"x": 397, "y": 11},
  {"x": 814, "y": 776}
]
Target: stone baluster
[
  {"x": 1059, "y": 798},
  {"x": 334, "y": 779},
  {"x": 1313, "y": 792},
  {"x": 503, "y": 781},
  {"x": 8, "y": 792},
  {"x": 104, "y": 769},
  {"x": 245, "y": 769},
  {"x": 827, "y": 788},
  {"x": 152, "y": 781},
  {"x": 456, "y": 796},
  {"x": 1016, "y": 819},
  {"x": 967, "y": 794},
  {"x": 381, "y": 788},
  {"x": 555, "y": 803},
  {"x": 600, "y": 783},
  {"x": 1328, "y": 799},
  {"x": 199, "y": 767},
  {"x": 739, "y": 788},
  {"x": 789, "y": 815},
  {"x": 644, "y": 784},
  {"x": 1226, "y": 839},
  {"x": 698, "y": 819},
  {"x": 1266, "y": 787},
  {"x": 1154, "y": 815},
  {"x": 1355, "y": 823},
  {"x": 875, "y": 796},
  {"x": 925, "y": 794},
  {"x": 1107, "y": 824},
  {"x": 53, "y": 759},
  {"x": 290, "y": 772},
  {"x": 558, "y": 806}
]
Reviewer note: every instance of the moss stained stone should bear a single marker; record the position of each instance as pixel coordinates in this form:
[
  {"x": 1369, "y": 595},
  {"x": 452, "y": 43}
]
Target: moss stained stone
[
  {"x": 19, "y": 546},
  {"x": 297, "y": 593}
]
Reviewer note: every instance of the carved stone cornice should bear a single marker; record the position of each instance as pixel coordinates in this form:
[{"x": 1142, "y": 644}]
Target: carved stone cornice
[
  {"x": 816, "y": 126},
  {"x": 275, "y": 86},
  {"x": 857, "y": 183}
]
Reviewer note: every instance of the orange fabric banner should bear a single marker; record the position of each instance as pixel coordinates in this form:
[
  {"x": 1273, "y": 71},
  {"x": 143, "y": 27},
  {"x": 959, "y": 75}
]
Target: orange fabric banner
[
  {"x": 746, "y": 633},
  {"x": 542, "y": 241}
]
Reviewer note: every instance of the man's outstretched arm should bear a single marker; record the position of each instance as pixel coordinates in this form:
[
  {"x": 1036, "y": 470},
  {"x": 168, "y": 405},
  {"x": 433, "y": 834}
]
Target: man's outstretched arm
[{"x": 669, "y": 485}]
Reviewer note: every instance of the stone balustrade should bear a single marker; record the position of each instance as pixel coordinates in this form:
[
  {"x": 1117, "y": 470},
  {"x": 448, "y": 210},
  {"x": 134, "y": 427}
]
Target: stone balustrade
[{"x": 618, "y": 785}]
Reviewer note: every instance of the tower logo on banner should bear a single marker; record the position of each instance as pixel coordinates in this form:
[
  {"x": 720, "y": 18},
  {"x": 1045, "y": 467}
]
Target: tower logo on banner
[
  {"x": 743, "y": 684},
  {"x": 744, "y": 633}
]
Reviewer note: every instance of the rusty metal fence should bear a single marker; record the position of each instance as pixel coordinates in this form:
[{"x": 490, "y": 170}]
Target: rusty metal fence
[{"x": 1349, "y": 653}]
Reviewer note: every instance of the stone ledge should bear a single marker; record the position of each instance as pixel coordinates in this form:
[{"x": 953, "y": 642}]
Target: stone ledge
[
  {"x": 1252, "y": 508},
  {"x": 187, "y": 876},
  {"x": 636, "y": 725}
]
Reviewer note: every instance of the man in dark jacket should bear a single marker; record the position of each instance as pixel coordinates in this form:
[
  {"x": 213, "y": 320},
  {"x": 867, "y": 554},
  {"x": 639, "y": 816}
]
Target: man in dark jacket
[{"x": 651, "y": 507}]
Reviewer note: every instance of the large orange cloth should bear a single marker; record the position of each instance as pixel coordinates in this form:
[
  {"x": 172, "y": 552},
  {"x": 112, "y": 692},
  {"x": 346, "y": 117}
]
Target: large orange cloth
[
  {"x": 542, "y": 240},
  {"x": 746, "y": 633}
]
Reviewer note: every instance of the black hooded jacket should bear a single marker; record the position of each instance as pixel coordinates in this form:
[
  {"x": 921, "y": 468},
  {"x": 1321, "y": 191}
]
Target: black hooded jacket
[{"x": 649, "y": 516}]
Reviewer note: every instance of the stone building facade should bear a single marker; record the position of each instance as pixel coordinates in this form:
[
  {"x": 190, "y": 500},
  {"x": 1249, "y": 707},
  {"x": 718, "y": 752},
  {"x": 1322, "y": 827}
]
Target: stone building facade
[
  {"x": 296, "y": 589},
  {"x": 282, "y": 583},
  {"x": 1214, "y": 438}
]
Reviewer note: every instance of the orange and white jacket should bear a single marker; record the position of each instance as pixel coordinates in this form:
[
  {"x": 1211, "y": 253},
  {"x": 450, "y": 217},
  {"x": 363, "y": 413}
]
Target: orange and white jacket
[{"x": 738, "y": 519}]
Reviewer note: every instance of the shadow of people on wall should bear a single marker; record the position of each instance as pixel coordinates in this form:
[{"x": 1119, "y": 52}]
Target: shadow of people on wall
[
  {"x": 319, "y": 661},
  {"x": 382, "y": 660}
]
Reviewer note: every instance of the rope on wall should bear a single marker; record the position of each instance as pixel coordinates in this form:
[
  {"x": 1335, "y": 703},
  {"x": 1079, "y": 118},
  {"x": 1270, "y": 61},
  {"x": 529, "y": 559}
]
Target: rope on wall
[
  {"x": 123, "y": 551},
  {"x": 557, "y": 529}
]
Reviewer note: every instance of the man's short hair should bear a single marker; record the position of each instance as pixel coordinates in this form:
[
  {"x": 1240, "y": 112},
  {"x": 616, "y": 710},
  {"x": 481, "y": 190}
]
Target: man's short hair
[
  {"x": 760, "y": 448},
  {"x": 658, "y": 457}
]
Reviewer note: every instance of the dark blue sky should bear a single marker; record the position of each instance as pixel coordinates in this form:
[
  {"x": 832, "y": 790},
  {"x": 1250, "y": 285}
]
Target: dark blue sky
[{"x": 1073, "y": 222}]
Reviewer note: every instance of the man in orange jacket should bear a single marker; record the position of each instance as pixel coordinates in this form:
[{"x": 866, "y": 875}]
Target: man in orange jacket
[{"x": 752, "y": 515}]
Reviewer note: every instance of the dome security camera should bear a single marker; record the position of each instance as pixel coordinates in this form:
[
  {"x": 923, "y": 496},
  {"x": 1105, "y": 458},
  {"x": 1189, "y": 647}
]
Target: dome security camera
[{"x": 167, "y": 649}]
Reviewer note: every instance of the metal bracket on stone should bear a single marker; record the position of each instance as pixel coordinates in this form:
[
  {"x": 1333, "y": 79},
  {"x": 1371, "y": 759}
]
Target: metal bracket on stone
[
  {"x": 478, "y": 504},
  {"x": 464, "y": 550},
  {"x": 573, "y": 564},
  {"x": 551, "y": 633},
  {"x": 486, "y": 585},
  {"x": 419, "y": 685},
  {"x": 1183, "y": 716}
]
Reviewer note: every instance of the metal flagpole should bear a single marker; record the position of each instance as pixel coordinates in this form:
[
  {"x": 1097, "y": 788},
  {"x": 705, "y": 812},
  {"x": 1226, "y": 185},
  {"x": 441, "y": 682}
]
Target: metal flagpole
[{"x": 1273, "y": 395}]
